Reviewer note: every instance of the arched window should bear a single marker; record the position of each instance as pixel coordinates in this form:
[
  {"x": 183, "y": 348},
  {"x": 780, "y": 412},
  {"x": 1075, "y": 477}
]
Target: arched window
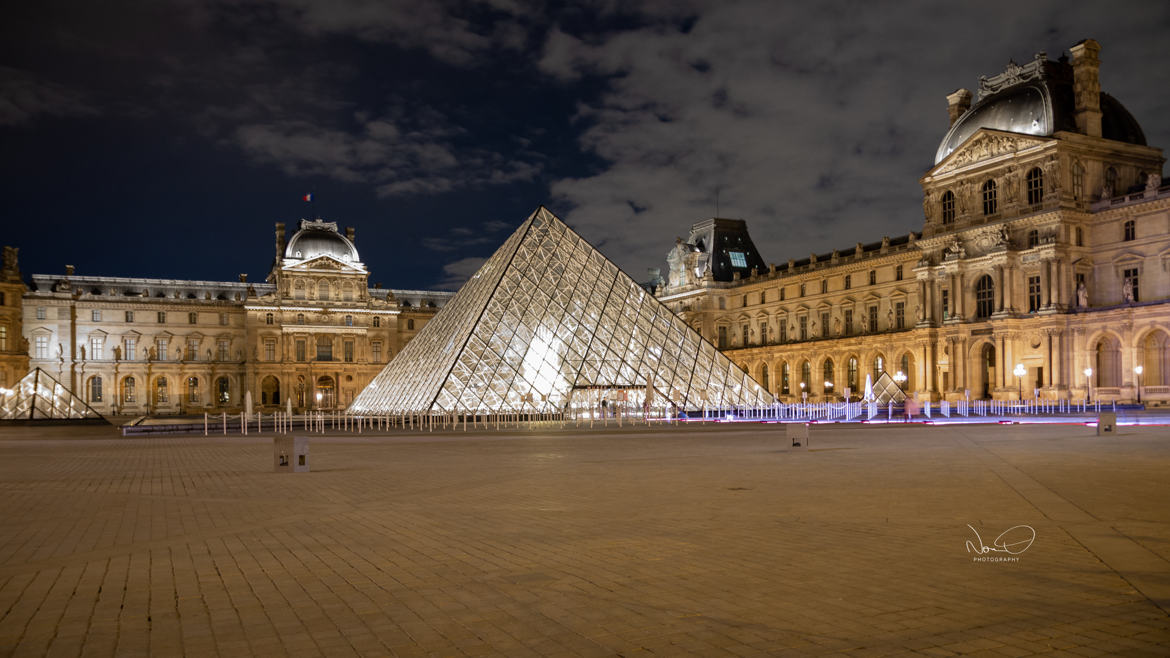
[
  {"x": 161, "y": 395},
  {"x": 377, "y": 322},
  {"x": 948, "y": 207},
  {"x": 323, "y": 290},
  {"x": 223, "y": 391},
  {"x": 990, "y": 200},
  {"x": 300, "y": 318},
  {"x": 984, "y": 297},
  {"x": 268, "y": 319},
  {"x": 879, "y": 366},
  {"x": 828, "y": 375},
  {"x": 764, "y": 378},
  {"x": 785, "y": 379},
  {"x": 805, "y": 375},
  {"x": 1107, "y": 366},
  {"x": 1035, "y": 185},
  {"x": 349, "y": 320},
  {"x": 95, "y": 388},
  {"x": 128, "y": 390},
  {"x": 193, "y": 390},
  {"x": 851, "y": 374}
]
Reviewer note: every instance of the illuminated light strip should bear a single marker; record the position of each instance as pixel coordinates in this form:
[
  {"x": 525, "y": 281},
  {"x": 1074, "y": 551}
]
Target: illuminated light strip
[{"x": 320, "y": 310}]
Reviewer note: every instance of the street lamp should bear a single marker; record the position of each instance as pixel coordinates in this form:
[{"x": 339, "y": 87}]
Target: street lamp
[
  {"x": 803, "y": 393},
  {"x": 1089, "y": 383},
  {"x": 828, "y": 388},
  {"x": 900, "y": 377},
  {"x": 1019, "y": 372},
  {"x": 1138, "y": 370}
]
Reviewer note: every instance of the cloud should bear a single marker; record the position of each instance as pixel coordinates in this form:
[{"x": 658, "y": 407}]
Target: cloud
[
  {"x": 814, "y": 129},
  {"x": 461, "y": 238},
  {"x": 23, "y": 97},
  {"x": 456, "y": 273}
]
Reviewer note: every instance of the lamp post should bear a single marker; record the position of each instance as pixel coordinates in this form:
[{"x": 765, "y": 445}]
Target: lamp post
[
  {"x": 1138, "y": 371},
  {"x": 828, "y": 388},
  {"x": 1019, "y": 372},
  {"x": 1089, "y": 383},
  {"x": 803, "y": 393},
  {"x": 900, "y": 377}
]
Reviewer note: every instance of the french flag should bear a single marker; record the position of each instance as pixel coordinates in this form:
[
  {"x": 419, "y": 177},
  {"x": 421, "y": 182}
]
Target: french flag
[{"x": 308, "y": 197}]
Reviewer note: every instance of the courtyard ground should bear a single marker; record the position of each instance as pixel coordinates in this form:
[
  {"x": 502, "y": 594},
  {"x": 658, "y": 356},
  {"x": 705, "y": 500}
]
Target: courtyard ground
[{"x": 701, "y": 541}]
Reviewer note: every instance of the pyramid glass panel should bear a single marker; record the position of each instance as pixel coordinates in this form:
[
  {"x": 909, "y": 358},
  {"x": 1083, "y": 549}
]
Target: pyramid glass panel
[
  {"x": 547, "y": 324},
  {"x": 39, "y": 396}
]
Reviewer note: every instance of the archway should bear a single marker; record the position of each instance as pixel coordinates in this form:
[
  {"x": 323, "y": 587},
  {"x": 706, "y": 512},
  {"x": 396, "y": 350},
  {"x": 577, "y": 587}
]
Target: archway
[
  {"x": 223, "y": 391},
  {"x": 906, "y": 367},
  {"x": 986, "y": 370},
  {"x": 1107, "y": 362},
  {"x": 828, "y": 377},
  {"x": 764, "y": 378},
  {"x": 1154, "y": 358},
  {"x": 325, "y": 389},
  {"x": 270, "y": 390}
]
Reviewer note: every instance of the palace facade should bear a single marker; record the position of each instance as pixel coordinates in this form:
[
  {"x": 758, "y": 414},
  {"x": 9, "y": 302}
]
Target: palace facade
[
  {"x": 1042, "y": 267},
  {"x": 314, "y": 332}
]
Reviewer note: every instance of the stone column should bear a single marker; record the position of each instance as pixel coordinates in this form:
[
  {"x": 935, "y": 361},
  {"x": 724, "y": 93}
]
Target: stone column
[
  {"x": 1046, "y": 283},
  {"x": 999, "y": 291},
  {"x": 960, "y": 302}
]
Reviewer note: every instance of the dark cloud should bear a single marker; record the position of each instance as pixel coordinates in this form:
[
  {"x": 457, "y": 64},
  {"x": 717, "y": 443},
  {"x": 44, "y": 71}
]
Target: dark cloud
[{"x": 24, "y": 96}]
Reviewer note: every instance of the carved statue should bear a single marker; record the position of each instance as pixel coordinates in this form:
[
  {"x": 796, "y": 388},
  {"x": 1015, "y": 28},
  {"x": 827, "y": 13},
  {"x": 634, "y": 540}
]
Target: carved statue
[
  {"x": 1082, "y": 295},
  {"x": 676, "y": 259},
  {"x": 1107, "y": 191},
  {"x": 1127, "y": 291},
  {"x": 837, "y": 325},
  {"x": 1011, "y": 184},
  {"x": 1153, "y": 182},
  {"x": 956, "y": 249},
  {"x": 1004, "y": 237}
]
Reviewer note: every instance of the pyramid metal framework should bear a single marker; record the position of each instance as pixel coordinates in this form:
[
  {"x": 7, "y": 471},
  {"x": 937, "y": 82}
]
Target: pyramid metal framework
[
  {"x": 547, "y": 321},
  {"x": 39, "y": 396},
  {"x": 886, "y": 390}
]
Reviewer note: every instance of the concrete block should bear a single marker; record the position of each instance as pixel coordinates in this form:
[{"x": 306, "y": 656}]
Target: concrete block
[
  {"x": 797, "y": 433},
  {"x": 290, "y": 454},
  {"x": 1106, "y": 423}
]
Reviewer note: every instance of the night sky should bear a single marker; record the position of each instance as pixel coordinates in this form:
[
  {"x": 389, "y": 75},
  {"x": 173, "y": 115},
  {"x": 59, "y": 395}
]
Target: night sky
[{"x": 164, "y": 139}]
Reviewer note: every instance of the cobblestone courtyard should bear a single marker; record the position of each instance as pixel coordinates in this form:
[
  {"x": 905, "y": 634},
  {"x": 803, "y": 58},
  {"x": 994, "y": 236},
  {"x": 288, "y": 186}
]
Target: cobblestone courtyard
[{"x": 692, "y": 541}]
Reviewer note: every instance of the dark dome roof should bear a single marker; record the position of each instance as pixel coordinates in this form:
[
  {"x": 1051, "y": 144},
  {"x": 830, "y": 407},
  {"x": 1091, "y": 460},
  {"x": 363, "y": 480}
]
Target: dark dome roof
[
  {"x": 318, "y": 238},
  {"x": 1041, "y": 106}
]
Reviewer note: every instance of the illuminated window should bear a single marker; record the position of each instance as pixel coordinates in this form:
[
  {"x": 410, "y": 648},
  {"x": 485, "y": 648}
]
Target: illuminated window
[
  {"x": 193, "y": 390},
  {"x": 96, "y": 315},
  {"x": 96, "y": 345},
  {"x": 827, "y": 375},
  {"x": 192, "y": 349},
  {"x": 784, "y": 379},
  {"x": 1131, "y": 280},
  {"x": 764, "y": 377},
  {"x": 129, "y": 346},
  {"x": 737, "y": 259},
  {"x": 879, "y": 366},
  {"x": 128, "y": 390},
  {"x": 851, "y": 373},
  {"x": 160, "y": 346},
  {"x": 1035, "y": 185},
  {"x": 805, "y": 374},
  {"x": 1033, "y": 294},
  {"x": 1129, "y": 231},
  {"x": 41, "y": 345},
  {"x": 223, "y": 391},
  {"x": 984, "y": 297},
  {"x": 990, "y": 200},
  {"x": 95, "y": 388},
  {"x": 161, "y": 396},
  {"x": 948, "y": 207}
]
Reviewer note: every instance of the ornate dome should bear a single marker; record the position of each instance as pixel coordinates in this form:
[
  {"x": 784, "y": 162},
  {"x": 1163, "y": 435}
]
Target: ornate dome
[
  {"x": 318, "y": 238},
  {"x": 1035, "y": 99}
]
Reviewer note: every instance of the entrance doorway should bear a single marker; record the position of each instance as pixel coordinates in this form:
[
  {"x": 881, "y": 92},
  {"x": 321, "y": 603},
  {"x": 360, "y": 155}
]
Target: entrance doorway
[
  {"x": 270, "y": 390},
  {"x": 325, "y": 392},
  {"x": 987, "y": 370}
]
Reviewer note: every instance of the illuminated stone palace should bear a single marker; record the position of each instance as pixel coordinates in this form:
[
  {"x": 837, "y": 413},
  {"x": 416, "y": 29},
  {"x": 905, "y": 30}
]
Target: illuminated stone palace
[
  {"x": 1044, "y": 251},
  {"x": 314, "y": 331}
]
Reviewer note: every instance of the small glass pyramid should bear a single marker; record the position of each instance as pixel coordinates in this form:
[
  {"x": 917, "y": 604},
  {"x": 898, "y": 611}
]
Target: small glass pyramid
[
  {"x": 549, "y": 324},
  {"x": 886, "y": 390},
  {"x": 38, "y": 396}
]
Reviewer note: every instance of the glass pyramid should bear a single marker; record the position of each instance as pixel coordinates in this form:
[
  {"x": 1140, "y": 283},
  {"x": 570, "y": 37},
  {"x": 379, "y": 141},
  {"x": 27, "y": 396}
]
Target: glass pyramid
[
  {"x": 38, "y": 396},
  {"x": 548, "y": 324},
  {"x": 886, "y": 390}
]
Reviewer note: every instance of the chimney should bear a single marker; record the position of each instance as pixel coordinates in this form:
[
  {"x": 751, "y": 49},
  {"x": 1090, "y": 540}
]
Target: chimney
[
  {"x": 1087, "y": 86},
  {"x": 349, "y": 233},
  {"x": 243, "y": 277},
  {"x": 68, "y": 270},
  {"x": 279, "y": 240},
  {"x": 958, "y": 102}
]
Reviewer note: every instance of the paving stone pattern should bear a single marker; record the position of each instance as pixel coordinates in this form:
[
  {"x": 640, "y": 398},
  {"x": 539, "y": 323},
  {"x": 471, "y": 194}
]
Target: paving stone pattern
[{"x": 712, "y": 541}]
